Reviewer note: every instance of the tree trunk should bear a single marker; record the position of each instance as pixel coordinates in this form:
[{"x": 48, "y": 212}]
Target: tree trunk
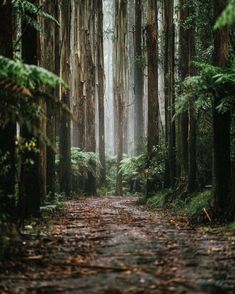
[
  {"x": 138, "y": 80},
  {"x": 153, "y": 104},
  {"x": 192, "y": 152},
  {"x": 120, "y": 80},
  {"x": 90, "y": 79},
  {"x": 51, "y": 7},
  {"x": 65, "y": 124},
  {"x": 221, "y": 126},
  {"x": 100, "y": 56},
  {"x": 30, "y": 185},
  {"x": 183, "y": 73},
  {"x": 8, "y": 132},
  {"x": 169, "y": 69}
]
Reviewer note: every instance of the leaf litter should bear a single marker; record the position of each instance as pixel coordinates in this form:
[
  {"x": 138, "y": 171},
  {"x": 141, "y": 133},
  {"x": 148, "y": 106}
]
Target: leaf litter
[{"x": 111, "y": 245}]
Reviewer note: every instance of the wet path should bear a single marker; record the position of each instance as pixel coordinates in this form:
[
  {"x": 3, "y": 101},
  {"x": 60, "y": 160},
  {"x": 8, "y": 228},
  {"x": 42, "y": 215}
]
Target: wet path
[{"x": 110, "y": 245}]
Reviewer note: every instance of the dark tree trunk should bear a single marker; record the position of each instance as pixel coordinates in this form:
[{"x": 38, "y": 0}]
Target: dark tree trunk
[
  {"x": 224, "y": 202},
  {"x": 30, "y": 185},
  {"x": 183, "y": 73},
  {"x": 169, "y": 68},
  {"x": 65, "y": 127},
  {"x": 138, "y": 80},
  {"x": 8, "y": 132},
  {"x": 50, "y": 63},
  {"x": 192, "y": 152},
  {"x": 120, "y": 81},
  {"x": 100, "y": 57},
  {"x": 153, "y": 104}
]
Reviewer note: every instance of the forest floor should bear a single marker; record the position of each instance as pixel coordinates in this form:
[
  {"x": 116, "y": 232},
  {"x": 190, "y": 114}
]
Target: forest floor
[{"x": 110, "y": 245}]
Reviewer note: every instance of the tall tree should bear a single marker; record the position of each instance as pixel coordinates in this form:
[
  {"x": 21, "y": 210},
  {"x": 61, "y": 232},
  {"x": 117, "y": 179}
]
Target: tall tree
[
  {"x": 169, "y": 70},
  {"x": 49, "y": 62},
  {"x": 65, "y": 124},
  {"x": 221, "y": 124},
  {"x": 100, "y": 61},
  {"x": 153, "y": 104},
  {"x": 192, "y": 165},
  {"x": 31, "y": 182},
  {"x": 120, "y": 79},
  {"x": 138, "y": 79},
  {"x": 90, "y": 80},
  {"x": 7, "y": 132},
  {"x": 183, "y": 73}
]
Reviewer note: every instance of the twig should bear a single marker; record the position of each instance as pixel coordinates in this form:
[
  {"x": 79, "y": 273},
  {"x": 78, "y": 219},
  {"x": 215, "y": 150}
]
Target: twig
[{"x": 207, "y": 214}]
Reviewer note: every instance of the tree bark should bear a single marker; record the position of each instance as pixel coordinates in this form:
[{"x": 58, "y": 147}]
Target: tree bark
[
  {"x": 8, "y": 132},
  {"x": 65, "y": 124},
  {"x": 120, "y": 80},
  {"x": 224, "y": 203},
  {"x": 169, "y": 69},
  {"x": 100, "y": 57},
  {"x": 138, "y": 80},
  {"x": 31, "y": 193},
  {"x": 153, "y": 104}
]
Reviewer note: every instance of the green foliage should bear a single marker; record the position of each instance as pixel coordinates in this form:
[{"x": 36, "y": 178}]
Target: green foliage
[
  {"x": 230, "y": 226},
  {"x": 111, "y": 173},
  {"x": 197, "y": 202},
  {"x": 85, "y": 162},
  {"x": 30, "y": 76},
  {"x": 159, "y": 200},
  {"x": 211, "y": 82},
  {"x": 134, "y": 167},
  {"x": 29, "y": 12},
  {"x": 52, "y": 204},
  {"x": 227, "y": 17},
  {"x": 23, "y": 105},
  {"x": 190, "y": 207},
  {"x": 82, "y": 164},
  {"x": 134, "y": 173}
]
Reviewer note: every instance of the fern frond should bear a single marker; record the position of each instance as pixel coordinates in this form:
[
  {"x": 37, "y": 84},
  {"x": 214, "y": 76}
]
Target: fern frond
[
  {"x": 27, "y": 9},
  {"x": 227, "y": 17},
  {"x": 29, "y": 76}
]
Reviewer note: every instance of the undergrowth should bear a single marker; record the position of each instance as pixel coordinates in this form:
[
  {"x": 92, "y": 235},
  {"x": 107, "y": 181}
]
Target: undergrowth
[{"x": 191, "y": 207}]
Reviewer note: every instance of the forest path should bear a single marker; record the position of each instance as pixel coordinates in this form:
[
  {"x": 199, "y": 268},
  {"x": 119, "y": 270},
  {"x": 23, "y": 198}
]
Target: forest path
[{"x": 110, "y": 245}]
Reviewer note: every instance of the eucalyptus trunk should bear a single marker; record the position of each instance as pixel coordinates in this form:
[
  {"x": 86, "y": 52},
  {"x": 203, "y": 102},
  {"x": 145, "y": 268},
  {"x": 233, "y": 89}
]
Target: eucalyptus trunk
[{"x": 153, "y": 104}]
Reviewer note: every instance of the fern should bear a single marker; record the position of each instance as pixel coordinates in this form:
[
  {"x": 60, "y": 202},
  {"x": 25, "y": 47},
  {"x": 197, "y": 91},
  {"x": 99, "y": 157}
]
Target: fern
[
  {"x": 29, "y": 76},
  {"x": 83, "y": 162},
  {"x": 227, "y": 17},
  {"x": 20, "y": 88},
  {"x": 211, "y": 82},
  {"x": 29, "y": 12}
]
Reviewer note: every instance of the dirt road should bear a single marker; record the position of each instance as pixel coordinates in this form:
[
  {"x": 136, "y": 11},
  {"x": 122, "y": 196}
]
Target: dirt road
[{"x": 110, "y": 245}]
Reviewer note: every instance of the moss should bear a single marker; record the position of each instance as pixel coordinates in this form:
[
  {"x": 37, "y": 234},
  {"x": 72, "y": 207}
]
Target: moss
[
  {"x": 189, "y": 207},
  {"x": 197, "y": 202},
  {"x": 230, "y": 226},
  {"x": 159, "y": 200}
]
